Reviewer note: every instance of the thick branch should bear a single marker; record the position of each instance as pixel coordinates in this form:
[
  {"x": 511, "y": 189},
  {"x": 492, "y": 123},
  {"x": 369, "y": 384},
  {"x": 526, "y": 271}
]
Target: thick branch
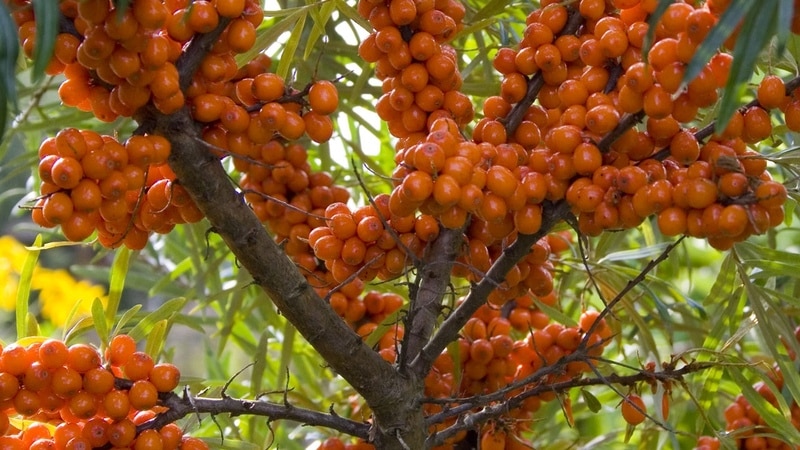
[
  {"x": 426, "y": 306},
  {"x": 552, "y": 213},
  {"x": 207, "y": 182},
  {"x": 209, "y": 186}
]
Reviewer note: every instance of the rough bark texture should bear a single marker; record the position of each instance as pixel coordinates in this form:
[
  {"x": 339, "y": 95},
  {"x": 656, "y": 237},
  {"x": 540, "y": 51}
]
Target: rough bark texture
[{"x": 391, "y": 397}]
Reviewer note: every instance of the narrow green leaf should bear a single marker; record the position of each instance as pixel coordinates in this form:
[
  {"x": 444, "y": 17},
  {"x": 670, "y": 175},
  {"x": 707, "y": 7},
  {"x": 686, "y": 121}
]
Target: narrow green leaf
[
  {"x": 100, "y": 322},
  {"x": 384, "y": 326},
  {"x": 259, "y": 365},
  {"x": 320, "y": 18},
  {"x": 555, "y": 314},
  {"x": 766, "y": 411},
  {"x": 287, "y": 349},
  {"x": 9, "y": 52},
  {"x": 24, "y": 288},
  {"x": 47, "y": 13},
  {"x": 639, "y": 253},
  {"x": 119, "y": 270},
  {"x": 125, "y": 318},
  {"x": 33, "y": 325},
  {"x": 490, "y": 10},
  {"x": 3, "y": 112},
  {"x": 757, "y": 29},
  {"x": 727, "y": 23},
  {"x": 348, "y": 11},
  {"x": 725, "y": 303},
  {"x": 592, "y": 402},
  {"x": 82, "y": 325},
  {"x": 784, "y": 25},
  {"x": 454, "y": 350},
  {"x": 290, "y": 49},
  {"x": 164, "y": 312},
  {"x": 155, "y": 339},
  {"x": 267, "y": 36},
  {"x": 121, "y": 5}
]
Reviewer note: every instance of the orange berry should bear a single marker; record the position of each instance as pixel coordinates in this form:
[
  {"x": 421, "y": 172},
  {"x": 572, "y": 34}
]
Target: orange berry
[
  {"x": 771, "y": 194},
  {"x": 122, "y": 433},
  {"x": 165, "y": 377},
  {"x": 323, "y": 97},
  {"x": 143, "y": 395},
  {"x": 757, "y": 124},
  {"x": 771, "y": 92},
  {"x": 633, "y": 409},
  {"x": 138, "y": 366}
]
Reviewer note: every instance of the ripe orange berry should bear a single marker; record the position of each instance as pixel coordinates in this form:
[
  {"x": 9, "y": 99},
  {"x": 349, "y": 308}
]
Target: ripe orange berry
[
  {"x": 138, "y": 366},
  {"x": 98, "y": 381},
  {"x": 633, "y": 409},
  {"x": 771, "y": 92},
  {"x": 323, "y": 97},
  {"x": 733, "y": 220},
  {"x": 53, "y": 353},
  {"x": 757, "y": 124},
  {"x": 165, "y": 377},
  {"x": 149, "y": 440},
  {"x": 66, "y": 172},
  {"x": 771, "y": 194},
  {"x": 143, "y": 395},
  {"x": 122, "y": 433},
  {"x": 57, "y": 208},
  {"x": 318, "y": 127}
]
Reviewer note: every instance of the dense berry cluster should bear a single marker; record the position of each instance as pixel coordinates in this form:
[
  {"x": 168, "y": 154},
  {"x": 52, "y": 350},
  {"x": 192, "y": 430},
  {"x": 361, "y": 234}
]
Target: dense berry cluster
[
  {"x": 594, "y": 77},
  {"x": 583, "y": 115},
  {"x": 120, "y": 63},
  {"x": 744, "y": 423},
  {"x": 124, "y": 191},
  {"x": 63, "y": 397}
]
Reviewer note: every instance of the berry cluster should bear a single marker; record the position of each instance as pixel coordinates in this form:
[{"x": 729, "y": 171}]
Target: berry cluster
[
  {"x": 67, "y": 397},
  {"x": 117, "y": 63},
  {"x": 745, "y": 424},
  {"x": 418, "y": 69},
  {"x": 718, "y": 190},
  {"x": 123, "y": 190}
]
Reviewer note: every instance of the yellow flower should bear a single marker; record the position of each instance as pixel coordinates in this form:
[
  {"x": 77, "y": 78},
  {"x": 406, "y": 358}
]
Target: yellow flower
[
  {"x": 12, "y": 258},
  {"x": 60, "y": 293},
  {"x": 13, "y": 253},
  {"x": 8, "y": 286}
]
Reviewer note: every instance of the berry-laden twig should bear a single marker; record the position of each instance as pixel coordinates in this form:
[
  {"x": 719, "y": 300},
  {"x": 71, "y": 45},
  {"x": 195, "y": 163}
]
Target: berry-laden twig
[
  {"x": 626, "y": 123},
  {"x": 535, "y": 84},
  {"x": 552, "y": 214},
  {"x": 190, "y": 59},
  {"x": 493, "y": 411},
  {"x": 709, "y": 129}
]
